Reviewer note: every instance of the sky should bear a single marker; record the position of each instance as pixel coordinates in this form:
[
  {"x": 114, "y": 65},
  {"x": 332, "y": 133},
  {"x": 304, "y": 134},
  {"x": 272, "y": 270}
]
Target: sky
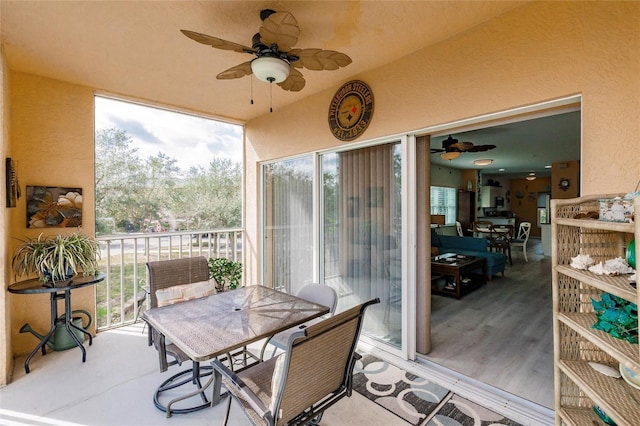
[{"x": 191, "y": 140}]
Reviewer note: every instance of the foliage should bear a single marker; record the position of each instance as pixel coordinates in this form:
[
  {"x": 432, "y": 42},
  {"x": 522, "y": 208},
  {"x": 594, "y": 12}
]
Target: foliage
[
  {"x": 55, "y": 258},
  {"x": 132, "y": 193},
  {"x": 616, "y": 316},
  {"x": 227, "y": 273},
  {"x": 210, "y": 198}
]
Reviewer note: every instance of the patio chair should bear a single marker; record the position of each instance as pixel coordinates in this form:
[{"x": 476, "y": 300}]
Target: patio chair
[
  {"x": 521, "y": 239},
  {"x": 317, "y": 293},
  {"x": 315, "y": 372},
  {"x": 162, "y": 275}
]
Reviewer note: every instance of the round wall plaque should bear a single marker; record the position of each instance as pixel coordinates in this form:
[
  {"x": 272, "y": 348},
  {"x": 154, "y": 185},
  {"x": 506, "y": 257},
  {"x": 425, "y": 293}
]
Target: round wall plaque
[{"x": 351, "y": 110}]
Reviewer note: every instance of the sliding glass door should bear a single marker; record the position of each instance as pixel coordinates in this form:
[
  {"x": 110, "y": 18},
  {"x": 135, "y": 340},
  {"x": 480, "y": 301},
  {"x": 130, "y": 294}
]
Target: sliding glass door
[
  {"x": 288, "y": 224},
  {"x": 361, "y": 232},
  {"x": 358, "y": 251}
]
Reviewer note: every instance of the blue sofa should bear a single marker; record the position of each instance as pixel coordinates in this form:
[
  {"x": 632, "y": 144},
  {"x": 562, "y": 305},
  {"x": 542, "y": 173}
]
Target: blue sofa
[{"x": 470, "y": 246}]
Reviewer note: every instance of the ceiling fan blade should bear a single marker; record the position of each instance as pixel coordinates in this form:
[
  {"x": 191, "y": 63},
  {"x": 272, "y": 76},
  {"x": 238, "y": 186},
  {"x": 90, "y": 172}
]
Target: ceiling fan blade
[
  {"x": 280, "y": 28},
  {"x": 216, "y": 42},
  {"x": 236, "y": 72},
  {"x": 436, "y": 150},
  {"x": 294, "y": 83},
  {"x": 461, "y": 146},
  {"x": 479, "y": 148},
  {"x": 318, "y": 59}
]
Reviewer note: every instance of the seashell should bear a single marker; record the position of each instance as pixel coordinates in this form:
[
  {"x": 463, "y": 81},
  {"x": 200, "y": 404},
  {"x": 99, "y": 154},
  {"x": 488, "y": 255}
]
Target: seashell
[
  {"x": 615, "y": 266},
  {"x": 581, "y": 261},
  {"x": 607, "y": 370},
  {"x": 597, "y": 269}
]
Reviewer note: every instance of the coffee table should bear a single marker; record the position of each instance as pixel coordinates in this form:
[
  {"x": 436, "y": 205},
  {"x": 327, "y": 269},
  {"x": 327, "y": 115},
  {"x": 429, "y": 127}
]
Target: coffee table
[{"x": 461, "y": 268}]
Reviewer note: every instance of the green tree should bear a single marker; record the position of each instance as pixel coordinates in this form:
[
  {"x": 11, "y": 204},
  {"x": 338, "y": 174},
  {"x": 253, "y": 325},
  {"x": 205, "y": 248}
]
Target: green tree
[
  {"x": 118, "y": 171},
  {"x": 211, "y": 198},
  {"x": 154, "y": 197},
  {"x": 131, "y": 192}
]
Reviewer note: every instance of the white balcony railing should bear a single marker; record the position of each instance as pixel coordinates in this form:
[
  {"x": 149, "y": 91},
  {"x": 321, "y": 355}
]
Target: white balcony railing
[{"x": 122, "y": 296}]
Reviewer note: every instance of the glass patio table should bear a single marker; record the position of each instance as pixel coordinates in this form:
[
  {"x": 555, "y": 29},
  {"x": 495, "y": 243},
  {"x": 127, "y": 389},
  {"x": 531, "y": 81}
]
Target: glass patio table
[{"x": 213, "y": 326}]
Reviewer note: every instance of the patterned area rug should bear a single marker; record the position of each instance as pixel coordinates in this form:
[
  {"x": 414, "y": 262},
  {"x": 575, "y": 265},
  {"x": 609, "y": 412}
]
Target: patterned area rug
[{"x": 416, "y": 400}]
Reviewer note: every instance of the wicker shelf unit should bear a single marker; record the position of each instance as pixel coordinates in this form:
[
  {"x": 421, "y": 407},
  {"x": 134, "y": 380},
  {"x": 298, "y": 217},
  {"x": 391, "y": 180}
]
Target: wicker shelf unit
[{"x": 578, "y": 387}]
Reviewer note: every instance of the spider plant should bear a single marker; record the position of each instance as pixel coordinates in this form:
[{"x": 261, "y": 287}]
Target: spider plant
[{"x": 56, "y": 258}]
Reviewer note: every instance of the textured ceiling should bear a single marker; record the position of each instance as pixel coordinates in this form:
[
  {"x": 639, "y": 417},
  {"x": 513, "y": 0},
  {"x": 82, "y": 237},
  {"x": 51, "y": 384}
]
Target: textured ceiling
[
  {"x": 135, "y": 48},
  {"x": 522, "y": 147}
]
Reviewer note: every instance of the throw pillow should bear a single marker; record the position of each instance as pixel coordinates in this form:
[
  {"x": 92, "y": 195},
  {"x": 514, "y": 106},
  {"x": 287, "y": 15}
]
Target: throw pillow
[{"x": 180, "y": 293}]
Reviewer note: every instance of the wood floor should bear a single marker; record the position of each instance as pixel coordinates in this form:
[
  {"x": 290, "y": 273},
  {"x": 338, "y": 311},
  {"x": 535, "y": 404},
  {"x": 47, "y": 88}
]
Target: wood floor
[{"x": 501, "y": 333}]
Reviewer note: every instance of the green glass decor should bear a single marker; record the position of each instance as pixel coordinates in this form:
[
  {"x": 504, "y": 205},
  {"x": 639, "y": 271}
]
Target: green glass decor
[
  {"x": 631, "y": 254},
  {"x": 616, "y": 316}
]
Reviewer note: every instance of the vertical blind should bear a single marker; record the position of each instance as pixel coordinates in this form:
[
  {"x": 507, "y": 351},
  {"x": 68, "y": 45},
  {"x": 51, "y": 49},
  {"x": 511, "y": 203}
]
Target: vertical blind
[{"x": 289, "y": 223}]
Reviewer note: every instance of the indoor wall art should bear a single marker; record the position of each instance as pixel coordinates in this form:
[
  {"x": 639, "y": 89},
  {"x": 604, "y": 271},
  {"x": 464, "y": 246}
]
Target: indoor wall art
[{"x": 54, "y": 207}]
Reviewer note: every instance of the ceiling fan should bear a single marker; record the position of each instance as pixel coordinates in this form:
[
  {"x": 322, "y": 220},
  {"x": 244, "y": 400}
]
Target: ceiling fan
[
  {"x": 451, "y": 148},
  {"x": 275, "y": 60}
]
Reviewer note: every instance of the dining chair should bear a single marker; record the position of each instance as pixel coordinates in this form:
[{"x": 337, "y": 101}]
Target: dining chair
[
  {"x": 481, "y": 228},
  {"x": 297, "y": 386},
  {"x": 521, "y": 239},
  {"x": 317, "y": 293},
  {"x": 499, "y": 239}
]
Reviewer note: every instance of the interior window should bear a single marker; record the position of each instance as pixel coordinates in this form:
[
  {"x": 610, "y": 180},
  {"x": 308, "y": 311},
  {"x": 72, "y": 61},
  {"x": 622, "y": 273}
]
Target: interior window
[{"x": 443, "y": 201}]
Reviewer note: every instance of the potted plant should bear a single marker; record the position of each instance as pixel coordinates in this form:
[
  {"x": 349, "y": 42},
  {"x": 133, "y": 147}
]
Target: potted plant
[
  {"x": 225, "y": 272},
  {"x": 58, "y": 258}
]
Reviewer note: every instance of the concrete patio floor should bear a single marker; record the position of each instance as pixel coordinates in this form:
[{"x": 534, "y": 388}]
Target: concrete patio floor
[{"x": 115, "y": 386}]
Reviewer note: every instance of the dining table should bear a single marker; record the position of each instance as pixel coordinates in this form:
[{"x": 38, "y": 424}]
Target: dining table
[
  {"x": 480, "y": 231},
  {"x": 214, "y": 326}
]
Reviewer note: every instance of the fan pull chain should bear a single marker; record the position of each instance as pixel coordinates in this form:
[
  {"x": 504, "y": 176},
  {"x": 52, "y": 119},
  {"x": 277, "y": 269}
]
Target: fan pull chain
[
  {"x": 271, "y": 80},
  {"x": 251, "y": 89}
]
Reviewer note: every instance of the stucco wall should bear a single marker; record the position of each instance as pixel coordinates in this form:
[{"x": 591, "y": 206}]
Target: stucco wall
[
  {"x": 5, "y": 338},
  {"x": 539, "y": 52},
  {"x": 52, "y": 142}
]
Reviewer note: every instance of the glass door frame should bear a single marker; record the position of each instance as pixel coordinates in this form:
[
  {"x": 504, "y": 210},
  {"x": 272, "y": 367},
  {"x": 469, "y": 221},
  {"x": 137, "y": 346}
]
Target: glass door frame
[{"x": 407, "y": 246}]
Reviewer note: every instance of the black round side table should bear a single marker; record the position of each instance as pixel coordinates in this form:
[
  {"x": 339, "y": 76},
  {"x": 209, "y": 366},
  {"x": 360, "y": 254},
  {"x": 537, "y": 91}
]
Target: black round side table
[{"x": 36, "y": 286}]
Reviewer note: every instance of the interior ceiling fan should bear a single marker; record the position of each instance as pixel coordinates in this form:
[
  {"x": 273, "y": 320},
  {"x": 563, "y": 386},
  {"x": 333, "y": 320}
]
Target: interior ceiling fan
[
  {"x": 453, "y": 145},
  {"x": 276, "y": 61}
]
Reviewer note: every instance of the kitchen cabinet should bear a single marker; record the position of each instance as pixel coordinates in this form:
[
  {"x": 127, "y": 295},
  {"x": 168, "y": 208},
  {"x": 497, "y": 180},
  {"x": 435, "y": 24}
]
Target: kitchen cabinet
[
  {"x": 578, "y": 386},
  {"x": 488, "y": 195}
]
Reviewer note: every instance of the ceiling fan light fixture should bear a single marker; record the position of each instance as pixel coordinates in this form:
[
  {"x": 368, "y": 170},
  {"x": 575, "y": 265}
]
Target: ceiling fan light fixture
[
  {"x": 483, "y": 162},
  {"x": 450, "y": 155},
  {"x": 270, "y": 70},
  {"x": 530, "y": 178}
]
